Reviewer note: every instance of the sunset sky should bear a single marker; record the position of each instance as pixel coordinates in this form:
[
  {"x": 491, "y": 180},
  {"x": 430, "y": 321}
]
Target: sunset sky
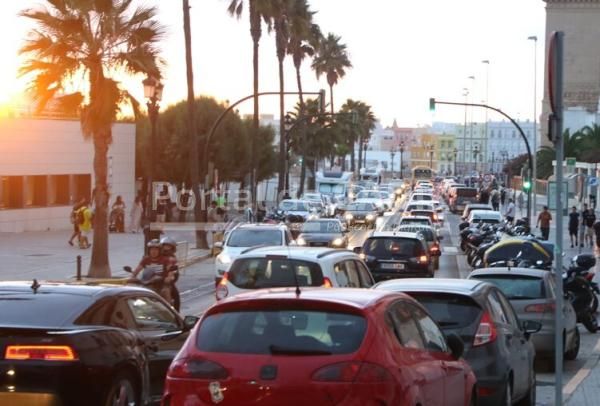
[{"x": 403, "y": 52}]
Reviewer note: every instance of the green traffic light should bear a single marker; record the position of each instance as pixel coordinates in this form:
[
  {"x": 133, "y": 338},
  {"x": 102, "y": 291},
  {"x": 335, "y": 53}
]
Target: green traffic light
[
  {"x": 432, "y": 104},
  {"x": 526, "y": 185}
]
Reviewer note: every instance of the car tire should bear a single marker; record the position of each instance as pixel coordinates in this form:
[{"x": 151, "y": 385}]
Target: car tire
[
  {"x": 122, "y": 391},
  {"x": 530, "y": 397},
  {"x": 573, "y": 352}
]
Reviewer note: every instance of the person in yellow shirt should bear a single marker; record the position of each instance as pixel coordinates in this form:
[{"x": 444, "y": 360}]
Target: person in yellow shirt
[{"x": 84, "y": 216}]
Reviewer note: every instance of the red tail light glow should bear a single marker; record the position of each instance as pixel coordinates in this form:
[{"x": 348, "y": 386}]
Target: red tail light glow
[
  {"x": 423, "y": 259},
  {"x": 197, "y": 368},
  {"x": 327, "y": 283},
  {"x": 540, "y": 308},
  {"x": 486, "y": 332},
  {"x": 40, "y": 352},
  {"x": 221, "y": 292},
  {"x": 351, "y": 372}
]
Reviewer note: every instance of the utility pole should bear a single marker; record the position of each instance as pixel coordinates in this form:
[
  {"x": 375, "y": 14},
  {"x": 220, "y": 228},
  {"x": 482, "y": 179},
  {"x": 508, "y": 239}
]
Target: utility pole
[{"x": 534, "y": 174}]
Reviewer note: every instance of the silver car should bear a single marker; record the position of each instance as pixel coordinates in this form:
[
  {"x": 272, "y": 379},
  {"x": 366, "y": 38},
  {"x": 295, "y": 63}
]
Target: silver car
[{"x": 531, "y": 294}]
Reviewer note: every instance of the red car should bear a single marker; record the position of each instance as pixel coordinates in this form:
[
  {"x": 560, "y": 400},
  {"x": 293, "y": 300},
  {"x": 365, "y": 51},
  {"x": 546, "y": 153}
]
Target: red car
[{"x": 319, "y": 347}]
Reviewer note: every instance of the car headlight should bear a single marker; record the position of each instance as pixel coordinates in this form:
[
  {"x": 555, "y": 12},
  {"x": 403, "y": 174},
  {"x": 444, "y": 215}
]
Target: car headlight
[
  {"x": 370, "y": 217},
  {"x": 348, "y": 216},
  {"x": 338, "y": 242},
  {"x": 224, "y": 259},
  {"x": 300, "y": 241}
]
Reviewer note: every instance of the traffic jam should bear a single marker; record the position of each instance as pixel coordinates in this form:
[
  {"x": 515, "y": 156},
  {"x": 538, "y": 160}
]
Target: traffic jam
[{"x": 408, "y": 292}]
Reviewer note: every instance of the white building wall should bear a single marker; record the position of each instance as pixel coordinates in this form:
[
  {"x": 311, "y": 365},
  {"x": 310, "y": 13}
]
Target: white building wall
[{"x": 31, "y": 147}]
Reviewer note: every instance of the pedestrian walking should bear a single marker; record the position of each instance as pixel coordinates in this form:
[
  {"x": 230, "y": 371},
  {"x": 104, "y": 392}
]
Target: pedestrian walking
[
  {"x": 510, "y": 212},
  {"x": 573, "y": 225},
  {"x": 135, "y": 215},
  {"x": 543, "y": 222},
  {"x": 503, "y": 196},
  {"x": 84, "y": 218},
  {"x": 75, "y": 222},
  {"x": 588, "y": 219},
  {"x": 495, "y": 199}
]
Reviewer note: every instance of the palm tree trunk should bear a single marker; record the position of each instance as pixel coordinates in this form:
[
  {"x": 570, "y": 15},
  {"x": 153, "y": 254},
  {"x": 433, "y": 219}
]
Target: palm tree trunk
[
  {"x": 282, "y": 132},
  {"x": 200, "y": 214},
  {"x": 360, "y": 151},
  {"x": 303, "y": 129},
  {"x": 331, "y": 99},
  {"x": 99, "y": 265},
  {"x": 255, "y": 31},
  {"x": 352, "y": 163}
]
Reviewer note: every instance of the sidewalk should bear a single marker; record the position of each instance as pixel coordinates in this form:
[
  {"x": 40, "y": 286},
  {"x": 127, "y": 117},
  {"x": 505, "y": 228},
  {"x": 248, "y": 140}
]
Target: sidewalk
[{"x": 46, "y": 254}]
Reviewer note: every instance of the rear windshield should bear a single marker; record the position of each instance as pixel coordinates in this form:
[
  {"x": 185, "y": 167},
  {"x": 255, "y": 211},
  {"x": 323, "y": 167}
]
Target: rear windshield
[
  {"x": 360, "y": 207},
  {"x": 258, "y": 273},
  {"x": 293, "y": 205},
  {"x": 324, "y": 227},
  {"x": 426, "y": 232},
  {"x": 424, "y": 213},
  {"x": 368, "y": 195},
  {"x": 251, "y": 238},
  {"x": 517, "y": 287},
  {"x": 406, "y": 220},
  {"x": 450, "y": 311},
  {"x": 43, "y": 309},
  {"x": 422, "y": 197},
  {"x": 466, "y": 192},
  {"x": 412, "y": 207},
  {"x": 393, "y": 247},
  {"x": 284, "y": 332}
]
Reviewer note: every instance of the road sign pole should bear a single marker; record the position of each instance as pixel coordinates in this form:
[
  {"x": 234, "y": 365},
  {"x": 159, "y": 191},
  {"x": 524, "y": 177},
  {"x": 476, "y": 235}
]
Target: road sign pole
[{"x": 555, "y": 84}]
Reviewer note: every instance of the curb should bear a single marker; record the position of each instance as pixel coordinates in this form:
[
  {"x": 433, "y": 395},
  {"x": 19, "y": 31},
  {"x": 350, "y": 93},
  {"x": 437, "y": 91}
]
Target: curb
[{"x": 196, "y": 259}]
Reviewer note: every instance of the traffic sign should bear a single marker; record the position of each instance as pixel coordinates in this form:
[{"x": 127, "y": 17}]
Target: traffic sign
[
  {"x": 571, "y": 162},
  {"x": 593, "y": 181}
]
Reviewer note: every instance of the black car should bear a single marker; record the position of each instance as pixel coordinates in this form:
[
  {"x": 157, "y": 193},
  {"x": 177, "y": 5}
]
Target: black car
[
  {"x": 391, "y": 255},
  {"x": 323, "y": 233},
  {"x": 361, "y": 213},
  {"x": 64, "y": 344},
  {"x": 497, "y": 344}
]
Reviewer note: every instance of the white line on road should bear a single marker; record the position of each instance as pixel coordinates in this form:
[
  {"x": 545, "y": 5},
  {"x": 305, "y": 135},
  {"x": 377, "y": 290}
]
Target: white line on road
[
  {"x": 450, "y": 250},
  {"x": 579, "y": 377}
]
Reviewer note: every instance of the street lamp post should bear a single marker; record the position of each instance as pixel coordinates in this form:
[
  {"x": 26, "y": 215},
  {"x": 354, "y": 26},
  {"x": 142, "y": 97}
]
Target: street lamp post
[
  {"x": 534, "y": 169},
  {"x": 153, "y": 93},
  {"x": 464, "y": 146},
  {"x": 287, "y": 123},
  {"x": 401, "y": 164},
  {"x": 430, "y": 147},
  {"x": 475, "y": 153},
  {"x": 455, "y": 152},
  {"x": 392, "y": 153}
]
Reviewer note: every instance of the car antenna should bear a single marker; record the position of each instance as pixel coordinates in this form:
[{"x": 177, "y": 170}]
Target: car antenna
[{"x": 35, "y": 286}]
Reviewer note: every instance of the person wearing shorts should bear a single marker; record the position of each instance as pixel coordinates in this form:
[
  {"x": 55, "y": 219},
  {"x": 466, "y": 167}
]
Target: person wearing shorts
[
  {"x": 573, "y": 225},
  {"x": 588, "y": 219}
]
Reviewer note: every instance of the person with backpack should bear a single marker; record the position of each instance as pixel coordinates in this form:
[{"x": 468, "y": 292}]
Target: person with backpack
[
  {"x": 75, "y": 222},
  {"x": 84, "y": 219}
]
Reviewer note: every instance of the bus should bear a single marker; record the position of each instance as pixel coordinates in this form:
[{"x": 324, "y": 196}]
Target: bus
[{"x": 421, "y": 173}]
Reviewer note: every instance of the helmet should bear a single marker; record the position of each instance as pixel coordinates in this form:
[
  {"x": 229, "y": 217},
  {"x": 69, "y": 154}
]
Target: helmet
[
  {"x": 168, "y": 241},
  {"x": 155, "y": 243}
]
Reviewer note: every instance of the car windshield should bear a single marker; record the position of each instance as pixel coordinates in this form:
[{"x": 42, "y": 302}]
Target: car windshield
[
  {"x": 326, "y": 227},
  {"x": 368, "y": 195},
  {"x": 290, "y": 205},
  {"x": 282, "y": 332},
  {"x": 42, "y": 309},
  {"x": 258, "y": 273},
  {"x": 450, "y": 311},
  {"x": 409, "y": 220},
  {"x": 331, "y": 188},
  {"x": 517, "y": 287},
  {"x": 253, "y": 237},
  {"x": 393, "y": 247},
  {"x": 360, "y": 207}
]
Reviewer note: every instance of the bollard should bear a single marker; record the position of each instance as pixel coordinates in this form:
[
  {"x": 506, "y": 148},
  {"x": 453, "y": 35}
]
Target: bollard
[{"x": 78, "y": 267}]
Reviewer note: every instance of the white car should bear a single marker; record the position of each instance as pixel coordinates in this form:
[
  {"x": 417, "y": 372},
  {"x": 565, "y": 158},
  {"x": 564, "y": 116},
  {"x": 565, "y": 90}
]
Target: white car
[
  {"x": 371, "y": 196},
  {"x": 275, "y": 267},
  {"x": 420, "y": 220},
  {"x": 417, "y": 197},
  {"x": 245, "y": 236},
  {"x": 484, "y": 216},
  {"x": 298, "y": 208}
]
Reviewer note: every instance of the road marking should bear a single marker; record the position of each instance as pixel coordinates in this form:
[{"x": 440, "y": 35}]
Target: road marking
[
  {"x": 450, "y": 250},
  {"x": 580, "y": 376}
]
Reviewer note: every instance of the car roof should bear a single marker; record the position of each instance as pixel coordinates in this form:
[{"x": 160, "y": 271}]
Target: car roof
[
  {"x": 357, "y": 298},
  {"x": 538, "y": 273},
  {"x": 89, "y": 289},
  {"x": 475, "y": 206},
  {"x": 415, "y": 217},
  {"x": 261, "y": 226},
  {"x": 485, "y": 213},
  {"x": 294, "y": 252},
  {"x": 399, "y": 234},
  {"x": 437, "y": 285}
]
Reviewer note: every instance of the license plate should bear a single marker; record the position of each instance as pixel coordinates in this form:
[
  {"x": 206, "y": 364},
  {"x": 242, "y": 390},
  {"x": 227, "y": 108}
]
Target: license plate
[{"x": 392, "y": 266}]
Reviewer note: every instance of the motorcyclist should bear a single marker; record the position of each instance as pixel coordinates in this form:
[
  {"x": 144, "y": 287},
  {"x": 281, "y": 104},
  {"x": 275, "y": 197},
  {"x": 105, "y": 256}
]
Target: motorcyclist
[
  {"x": 154, "y": 268},
  {"x": 169, "y": 249}
]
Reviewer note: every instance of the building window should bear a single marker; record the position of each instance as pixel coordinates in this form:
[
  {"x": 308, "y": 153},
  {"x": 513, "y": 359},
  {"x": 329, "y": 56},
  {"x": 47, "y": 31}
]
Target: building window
[
  {"x": 59, "y": 193},
  {"x": 11, "y": 192},
  {"x": 36, "y": 192}
]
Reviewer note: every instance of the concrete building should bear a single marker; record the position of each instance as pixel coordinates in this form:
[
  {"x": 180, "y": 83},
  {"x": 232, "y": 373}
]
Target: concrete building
[
  {"x": 423, "y": 152},
  {"x": 444, "y": 148},
  {"x": 504, "y": 143},
  {"x": 47, "y": 165},
  {"x": 578, "y": 19}
]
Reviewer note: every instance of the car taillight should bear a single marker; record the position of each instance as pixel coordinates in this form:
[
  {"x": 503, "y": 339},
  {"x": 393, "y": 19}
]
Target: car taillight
[
  {"x": 196, "y": 368},
  {"x": 327, "y": 283},
  {"x": 221, "y": 292},
  {"x": 40, "y": 352},
  {"x": 434, "y": 248},
  {"x": 486, "y": 332},
  {"x": 435, "y": 217},
  {"x": 423, "y": 259},
  {"x": 351, "y": 372},
  {"x": 540, "y": 308}
]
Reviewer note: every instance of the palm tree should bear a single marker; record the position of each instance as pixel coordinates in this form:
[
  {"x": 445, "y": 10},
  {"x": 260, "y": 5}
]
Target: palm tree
[
  {"x": 573, "y": 147},
  {"x": 91, "y": 39},
  {"x": 332, "y": 61},
  {"x": 304, "y": 38},
  {"x": 258, "y": 11}
]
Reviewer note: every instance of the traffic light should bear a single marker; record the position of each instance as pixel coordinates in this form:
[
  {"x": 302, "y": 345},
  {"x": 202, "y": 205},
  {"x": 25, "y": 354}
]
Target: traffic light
[
  {"x": 432, "y": 104},
  {"x": 526, "y": 185}
]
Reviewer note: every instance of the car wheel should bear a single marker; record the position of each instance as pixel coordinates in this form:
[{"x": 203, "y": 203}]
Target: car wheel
[
  {"x": 572, "y": 353},
  {"x": 122, "y": 392},
  {"x": 529, "y": 399}
]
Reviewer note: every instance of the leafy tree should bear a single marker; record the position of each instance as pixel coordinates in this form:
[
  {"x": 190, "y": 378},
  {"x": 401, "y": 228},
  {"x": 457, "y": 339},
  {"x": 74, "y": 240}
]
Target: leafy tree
[
  {"x": 332, "y": 61},
  {"x": 357, "y": 128},
  {"x": 573, "y": 147},
  {"x": 92, "y": 40}
]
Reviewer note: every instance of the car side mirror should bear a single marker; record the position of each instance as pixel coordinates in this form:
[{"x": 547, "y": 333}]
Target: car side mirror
[
  {"x": 357, "y": 250},
  {"x": 531, "y": 327},
  {"x": 189, "y": 322},
  {"x": 456, "y": 345}
]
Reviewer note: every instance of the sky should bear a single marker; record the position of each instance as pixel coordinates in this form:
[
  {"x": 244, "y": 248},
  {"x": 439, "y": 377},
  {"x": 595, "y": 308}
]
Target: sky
[{"x": 403, "y": 52}]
